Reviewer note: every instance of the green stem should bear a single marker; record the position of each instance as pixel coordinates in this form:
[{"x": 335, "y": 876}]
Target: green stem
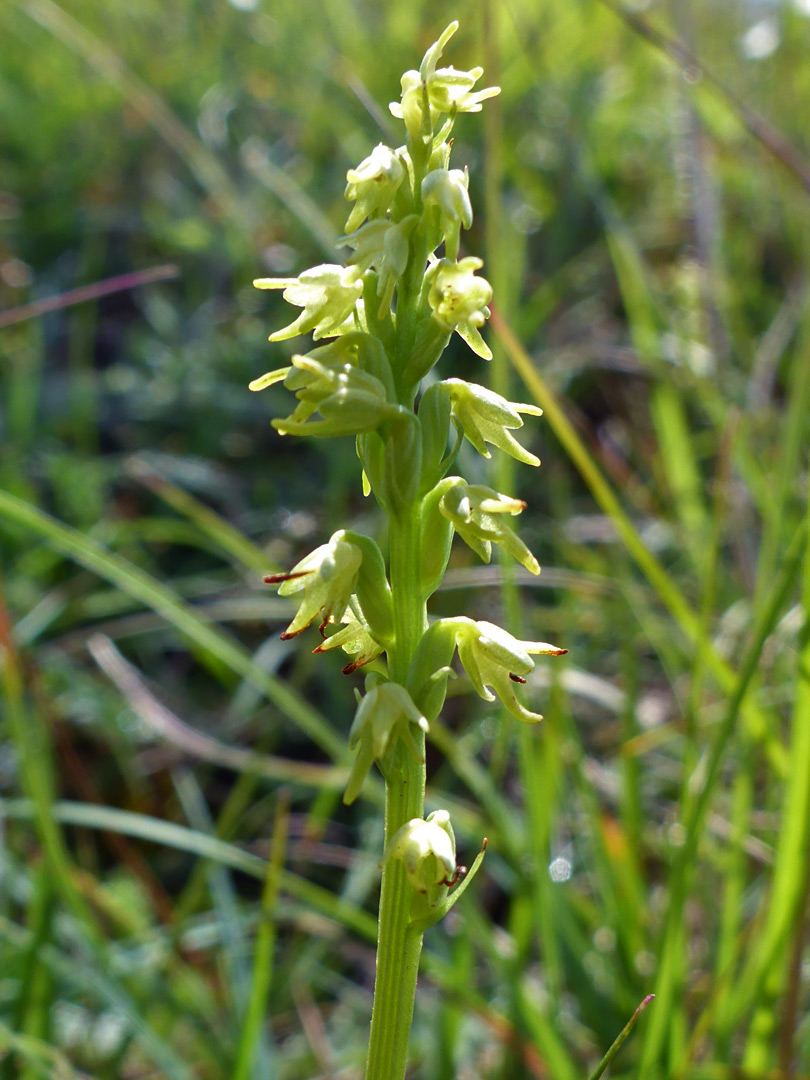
[{"x": 398, "y": 944}]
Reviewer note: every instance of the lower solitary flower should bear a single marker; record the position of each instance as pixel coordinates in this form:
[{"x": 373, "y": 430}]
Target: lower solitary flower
[{"x": 427, "y": 849}]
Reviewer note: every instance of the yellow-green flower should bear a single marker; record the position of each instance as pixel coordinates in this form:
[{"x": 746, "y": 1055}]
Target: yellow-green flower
[
  {"x": 383, "y": 246},
  {"x": 330, "y": 381},
  {"x": 373, "y": 184},
  {"x": 459, "y": 299},
  {"x": 355, "y": 639},
  {"x": 448, "y": 90},
  {"x": 328, "y": 293},
  {"x": 326, "y": 577},
  {"x": 493, "y": 658},
  {"x": 485, "y": 417},
  {"x": 445, "y": 191},
  {"x": 477, "y": 512}
]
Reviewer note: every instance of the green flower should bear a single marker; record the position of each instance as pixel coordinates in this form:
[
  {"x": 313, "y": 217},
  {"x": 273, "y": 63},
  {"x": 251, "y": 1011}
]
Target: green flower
[
  {"x": 448, "y": 90},
  {"x": 445, "y": 190},
  {"x": 328, "y": 294},
  {"x": 329, "y": 380},
  {"x": 485, "y": 416},
  {"x": 355, "y": 639},
  {"x": 459, "y": 299},
  {"x": 493, "y": 658},
  {"x": 383, "y": 246},
  {"x": 427, "y": 849},
  {"x": 327, "y": 578},
  {"x": 476, "y": 513},
  {"x": 383, "y": 715},
  {"x": 373, "y": 184}
]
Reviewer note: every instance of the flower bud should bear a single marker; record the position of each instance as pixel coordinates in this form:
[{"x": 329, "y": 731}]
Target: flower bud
[
  {"x": 485, "y": 417},
  {"x": 327, "y": 579},
  {"x": 493, "y": 658},
  {"x": 444, "y": 191},
  {"x": 328, "y": 294},
  {"x": 401, "y": 463},
  {"x": 434, "y": 420},
  {"x": 458, "y": 300},
  {"x": 427, "y": 850},
  {"x": 373, "y": 184},
  {"x": 383, "y": 715},
  {"x": 476, "y": 513},
  {"x": 430, "y": 667}
]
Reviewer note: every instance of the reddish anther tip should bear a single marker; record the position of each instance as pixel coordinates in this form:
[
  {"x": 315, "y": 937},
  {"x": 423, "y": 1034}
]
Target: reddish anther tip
[
  {"x": 279, "y": 579},
  {"x": 516, "y": 678}
]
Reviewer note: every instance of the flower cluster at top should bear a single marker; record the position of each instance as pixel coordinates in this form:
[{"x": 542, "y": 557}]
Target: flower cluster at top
[{"x": 383, "y": 320}]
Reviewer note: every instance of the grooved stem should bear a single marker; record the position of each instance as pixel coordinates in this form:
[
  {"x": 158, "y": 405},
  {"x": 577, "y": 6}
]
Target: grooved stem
[{"x": 398, "y": 945}]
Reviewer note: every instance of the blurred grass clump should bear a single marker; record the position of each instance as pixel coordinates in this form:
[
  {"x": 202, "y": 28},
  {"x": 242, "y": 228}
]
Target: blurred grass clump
[{"x": 182, "y": 894}]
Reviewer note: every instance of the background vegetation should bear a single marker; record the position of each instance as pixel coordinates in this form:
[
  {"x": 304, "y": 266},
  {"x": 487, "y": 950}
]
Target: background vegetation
[{"x": 182, "y": 895}]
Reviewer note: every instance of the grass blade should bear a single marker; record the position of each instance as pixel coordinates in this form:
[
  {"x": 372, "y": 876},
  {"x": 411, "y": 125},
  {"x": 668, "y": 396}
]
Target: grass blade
[
  {"x": 140, "y": 585},
  {"x": 617, "y": 1045}
]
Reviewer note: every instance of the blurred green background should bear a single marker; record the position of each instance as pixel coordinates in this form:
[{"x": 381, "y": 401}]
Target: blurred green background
[{"x": 182, "y": 894}]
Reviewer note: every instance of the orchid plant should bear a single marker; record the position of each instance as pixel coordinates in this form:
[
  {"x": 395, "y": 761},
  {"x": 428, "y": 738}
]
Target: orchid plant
[{"x": 387, "y": 316}]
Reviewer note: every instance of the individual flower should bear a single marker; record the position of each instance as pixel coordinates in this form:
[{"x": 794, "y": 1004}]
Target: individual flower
[
  {"x": 459, "y": 299},
  {"x": 327, "y": 579},
  {"x": 349, "y": 400},
  {"x": 355, "y": 639},
  {"x": 493, "y": 658},
  {"x": 445, "y": 190},
  {"x": 476, "y": 513},
  {"x": 383, "y": 246},
  {"x": 329, "y": 380},
  {"x": 373, "y": 184},
  {"x": 427, "y": 850},
  {"x": 384, "y": 714},
  {"x": 328, "y": 294},
  {"x": 448, "y": 90},
  {"x": 485, "y": 417}
]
